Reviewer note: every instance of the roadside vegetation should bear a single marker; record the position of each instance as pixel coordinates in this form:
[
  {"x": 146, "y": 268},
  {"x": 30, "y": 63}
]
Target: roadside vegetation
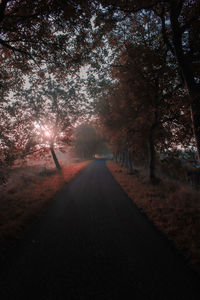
[
  {"x": 28, "y": 193},
  {"x": 32, "y": 182},
  {"x": 174, "y": 208}
]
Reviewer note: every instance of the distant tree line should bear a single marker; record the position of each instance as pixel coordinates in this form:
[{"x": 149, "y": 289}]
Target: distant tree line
[{"x": 87, "y": 142}]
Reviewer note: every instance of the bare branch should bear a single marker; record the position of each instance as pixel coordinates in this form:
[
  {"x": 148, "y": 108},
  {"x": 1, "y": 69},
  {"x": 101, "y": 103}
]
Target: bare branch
[
  {"x": 5, "y": 44},
  {"x": 14, "y": 49}
]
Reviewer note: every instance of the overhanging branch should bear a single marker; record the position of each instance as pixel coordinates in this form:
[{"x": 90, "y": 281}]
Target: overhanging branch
[
  {"x": 147, "y": 6},
  {"x": 14, "y": 49}
]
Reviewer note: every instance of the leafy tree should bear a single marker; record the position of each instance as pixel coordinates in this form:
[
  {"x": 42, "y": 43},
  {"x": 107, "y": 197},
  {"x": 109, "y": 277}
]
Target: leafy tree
[
  {"x": 148, "y": 105},
  {"x": 39, "y": 29},
  {"x": 53, "y": 109},
  {"x": 39, "y": 119},
  {"x": 37, "y": 34},
  {"x": 178, "y": 21}
]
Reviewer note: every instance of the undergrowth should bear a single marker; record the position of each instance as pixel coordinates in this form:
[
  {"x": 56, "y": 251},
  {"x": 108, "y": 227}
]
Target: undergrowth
[
  {"x": 173, "y": 207},
  {"x": 28, "y": 194}
]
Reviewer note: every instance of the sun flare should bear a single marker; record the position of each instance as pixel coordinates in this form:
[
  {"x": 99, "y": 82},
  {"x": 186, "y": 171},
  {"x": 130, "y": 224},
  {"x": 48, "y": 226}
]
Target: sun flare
[{"x": 47, "y": 133}]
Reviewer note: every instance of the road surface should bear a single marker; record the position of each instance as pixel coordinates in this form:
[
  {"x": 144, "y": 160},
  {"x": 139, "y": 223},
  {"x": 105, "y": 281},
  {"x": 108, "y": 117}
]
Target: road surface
[{"x": 93, "y": 243}]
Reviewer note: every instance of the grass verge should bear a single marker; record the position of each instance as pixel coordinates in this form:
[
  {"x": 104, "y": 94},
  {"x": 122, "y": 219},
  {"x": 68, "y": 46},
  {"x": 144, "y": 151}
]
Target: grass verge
[
  {"x": 173, "y": 208},
  {"x": 20, "y": 203}
]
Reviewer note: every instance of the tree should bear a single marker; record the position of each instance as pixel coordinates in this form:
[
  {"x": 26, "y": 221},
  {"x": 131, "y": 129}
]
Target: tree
[
  {"x": 179, "y": 22},
  {"x": 143, "y": 109},
  {"x": 40, "y": 29},
  {"x": 51, "y": 108},
  {"x": 36, "y": 34}
]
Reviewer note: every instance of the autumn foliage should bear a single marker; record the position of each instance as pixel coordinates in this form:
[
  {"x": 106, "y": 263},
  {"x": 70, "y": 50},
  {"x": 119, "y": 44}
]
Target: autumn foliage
[{"x": 142, "y": 62}]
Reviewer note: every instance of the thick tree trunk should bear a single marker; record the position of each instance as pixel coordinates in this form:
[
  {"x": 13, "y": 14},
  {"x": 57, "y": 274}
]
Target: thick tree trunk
[
  {"x": 188, "y": 76},
  {"x": 55, "y": 158}
]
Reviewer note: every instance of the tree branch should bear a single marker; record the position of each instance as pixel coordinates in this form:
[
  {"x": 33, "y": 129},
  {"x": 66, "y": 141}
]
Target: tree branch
[
  {"x": 2, "y": 9},
  {"x": 21, "y": 17},
  {"x": 14, "y": 49},
  {"x": 147, "y": 7},
  {"x": 4, "y": 43},
  {"x": 164, "y": 32},
  {"x": 31, "y": 152}
]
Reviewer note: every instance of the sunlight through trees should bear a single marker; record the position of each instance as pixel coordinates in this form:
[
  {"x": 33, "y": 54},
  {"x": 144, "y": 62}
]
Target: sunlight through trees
[{"x": 131, "y": 67}]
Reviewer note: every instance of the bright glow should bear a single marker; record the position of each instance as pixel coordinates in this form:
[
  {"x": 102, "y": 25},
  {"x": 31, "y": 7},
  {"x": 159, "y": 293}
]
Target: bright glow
[
  {"x": 43, "y": 130},
  {"x": 47, "y": 133}
]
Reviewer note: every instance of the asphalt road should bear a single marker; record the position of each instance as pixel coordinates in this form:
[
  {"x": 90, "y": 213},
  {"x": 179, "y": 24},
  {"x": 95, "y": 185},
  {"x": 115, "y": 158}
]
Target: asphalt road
[{"x": 93, "y": 243}]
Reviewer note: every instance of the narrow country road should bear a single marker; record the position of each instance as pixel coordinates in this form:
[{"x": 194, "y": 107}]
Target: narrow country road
[{"x": 93, "y": 243}]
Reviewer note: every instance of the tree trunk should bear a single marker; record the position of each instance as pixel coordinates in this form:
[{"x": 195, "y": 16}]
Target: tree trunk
[
  {"x": 130, "y": 163},
  {"x": 115, "y": 156},
  {"x": 195, "y": 115},
  {"x": 152, "y": 159},
  {"x": 123, "y": 159},
  {"x": 55, "y": 158},
  {"x": 126, "y": 162},
  {"x": 188, "y": 76},
  {"x": 119, "y": 157}
]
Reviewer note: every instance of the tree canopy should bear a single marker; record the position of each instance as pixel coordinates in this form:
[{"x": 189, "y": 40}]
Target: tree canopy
[{"x": 133, "y": 65}]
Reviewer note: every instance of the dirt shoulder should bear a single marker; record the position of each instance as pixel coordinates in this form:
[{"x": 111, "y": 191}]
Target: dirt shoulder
[
  {"x": 28, "y": 195},
  {"x": 174, "y": 209}
]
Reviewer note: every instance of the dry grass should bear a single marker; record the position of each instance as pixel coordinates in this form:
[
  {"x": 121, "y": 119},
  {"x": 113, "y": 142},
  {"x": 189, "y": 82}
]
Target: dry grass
[
  {"x": 174, "y": 209},
  {"x": 28, "y": 195}
]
